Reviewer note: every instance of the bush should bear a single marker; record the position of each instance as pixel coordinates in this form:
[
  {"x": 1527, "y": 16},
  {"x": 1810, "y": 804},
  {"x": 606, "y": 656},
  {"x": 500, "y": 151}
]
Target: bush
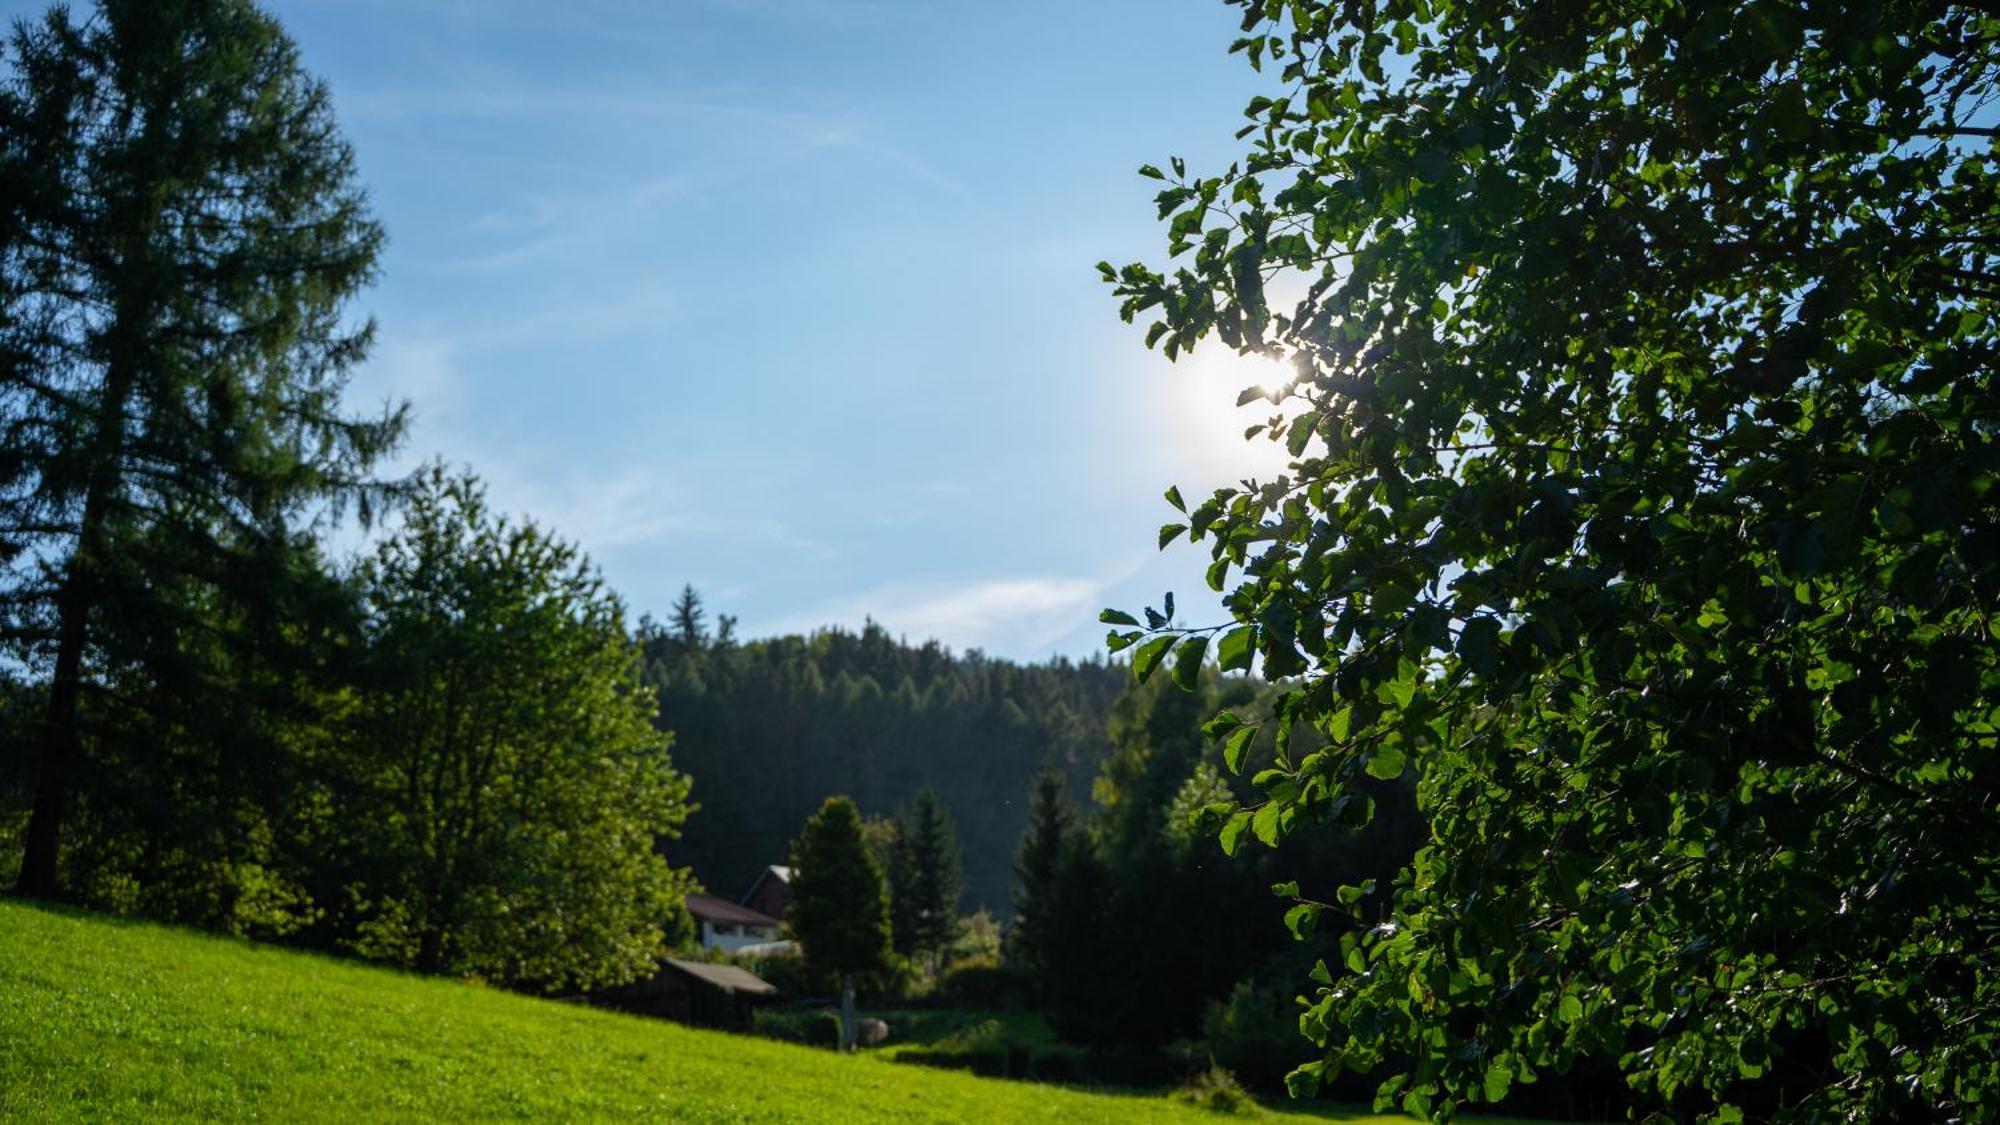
[
  {"x": 818, "y": 1027},
  {"x": 823, "y": 1029},
  {"x": 1058, "y": 1062},
  {"x": 978, "y": 937},
  {"x": 978, "y": 982},
  {"x": 1217, "y": 1091},
  {"x": 1255, "y": 1034},
  {"x": 784, "y": 972},
  {"x": 984, "y": 1048}
]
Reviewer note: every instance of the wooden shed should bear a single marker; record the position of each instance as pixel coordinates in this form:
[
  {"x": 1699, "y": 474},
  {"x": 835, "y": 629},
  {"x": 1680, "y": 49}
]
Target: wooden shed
[{"x": 694, "y": 992}]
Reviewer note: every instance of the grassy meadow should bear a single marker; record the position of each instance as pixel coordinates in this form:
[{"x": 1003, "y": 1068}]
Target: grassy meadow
[{"x": 107, "y": 1019}]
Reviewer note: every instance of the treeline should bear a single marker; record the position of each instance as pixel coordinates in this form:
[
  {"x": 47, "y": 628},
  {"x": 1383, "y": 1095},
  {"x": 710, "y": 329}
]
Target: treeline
[
  {"x": 768, "y": 728},
  {"x": 1149, "y": 950}
]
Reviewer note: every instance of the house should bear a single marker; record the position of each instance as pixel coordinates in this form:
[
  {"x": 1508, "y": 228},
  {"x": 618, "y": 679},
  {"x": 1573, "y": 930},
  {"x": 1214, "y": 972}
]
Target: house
[
  {"x": 693, "y": 992},
  {"x": 772, "y": 891},
  {"x": 725, "y": 925}
]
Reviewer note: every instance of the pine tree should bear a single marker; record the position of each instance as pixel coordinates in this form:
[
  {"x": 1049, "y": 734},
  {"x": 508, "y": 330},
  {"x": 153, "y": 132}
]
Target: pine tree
[
  {"x": 182, "y": 231},
  {"x": 1051, "y": 824},
  {"x": 840, "y": 906},
  {"x": 690, "y": 620},
  {"x": 927, "y": 878}
]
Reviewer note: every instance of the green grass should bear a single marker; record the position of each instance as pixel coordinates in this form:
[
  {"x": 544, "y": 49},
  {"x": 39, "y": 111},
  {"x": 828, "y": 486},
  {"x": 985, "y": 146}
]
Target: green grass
[{"x": 105, "y": 1019}]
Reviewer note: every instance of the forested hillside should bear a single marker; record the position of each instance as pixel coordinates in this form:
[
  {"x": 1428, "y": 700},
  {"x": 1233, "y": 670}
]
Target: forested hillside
[{"x": 768, "y": 728}]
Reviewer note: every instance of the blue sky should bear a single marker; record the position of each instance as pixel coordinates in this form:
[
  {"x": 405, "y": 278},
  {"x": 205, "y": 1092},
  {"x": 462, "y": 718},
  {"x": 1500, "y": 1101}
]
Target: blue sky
[{"x": 794, "y": 299}]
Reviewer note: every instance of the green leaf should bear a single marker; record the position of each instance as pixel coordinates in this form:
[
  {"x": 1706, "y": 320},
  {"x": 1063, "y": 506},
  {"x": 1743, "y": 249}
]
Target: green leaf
[
  {"x": 1478, "y": 644},
  {"x": 1151, "y": 173},
  {"x": 1169, "y": 532},
  {"x": 1220, "y": 725},
  {"x": 1232, "y": 832},
  {"x": 1301, "y": 432},
  {"x": 1570, "y": 1010},
  {"x": 1338, "y": 726},
  {"x": 1498, "y": 1078},
  {"x": 1386, "y": 763},
  {"x": 1218, "y": 573},
  {"x": 1302, "y": 1082},
  {"x": 1116, "y": 617},
  {"x": 1233, "y": 649},
  {"x": 1188, "y": 661},
  {"x": 1174, "y": 498},
  {"x": 1238, "y": 745},
  {"x": 1285, "y": 890},
  {"x": 1302, "y": 920},
  {"x": 1147, "y": 657},
  {"x": 1264, "y": 825}
]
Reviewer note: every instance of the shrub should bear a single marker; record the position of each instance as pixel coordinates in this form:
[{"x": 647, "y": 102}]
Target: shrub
[
  {"x": 978, "y": 982},
  {"x": 819, "y": 1027},
  {"x": 823, "y": 1029},
  {"x": 1217, "y": 1091},
  {"x": 1255, "y": 1034}
]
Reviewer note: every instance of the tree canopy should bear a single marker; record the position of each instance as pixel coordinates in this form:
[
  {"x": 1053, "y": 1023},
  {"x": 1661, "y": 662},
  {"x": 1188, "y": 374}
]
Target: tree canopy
[
  {"x": 506, "y": 792},
  {"x": 180, "y": 232},
  {"x": 840, "y": 901},
  {"x": 1641, "y": 509}
]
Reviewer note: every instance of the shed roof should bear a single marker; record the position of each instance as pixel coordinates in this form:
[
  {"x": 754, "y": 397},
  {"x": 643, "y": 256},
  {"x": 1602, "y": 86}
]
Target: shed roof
[
  {"x": 713, "y": 909},
  {"x": 728, "y": 978}
]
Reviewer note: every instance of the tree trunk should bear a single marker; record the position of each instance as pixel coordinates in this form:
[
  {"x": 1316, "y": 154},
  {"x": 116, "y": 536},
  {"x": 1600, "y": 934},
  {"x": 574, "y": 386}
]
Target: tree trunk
[
  {"x": 62, "y": 740},
  {"x": 847, "y": 1028},
  {"x": 61, "y": 746}
]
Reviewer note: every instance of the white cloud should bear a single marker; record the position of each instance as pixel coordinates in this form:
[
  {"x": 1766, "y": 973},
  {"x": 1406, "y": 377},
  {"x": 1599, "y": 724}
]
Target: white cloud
[{"x": 1017, "y": 617}]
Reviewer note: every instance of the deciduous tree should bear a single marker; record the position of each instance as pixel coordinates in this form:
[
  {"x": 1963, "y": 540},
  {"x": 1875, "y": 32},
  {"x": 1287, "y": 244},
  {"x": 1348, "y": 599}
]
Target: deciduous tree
[
  {"x": 508, "y": 791},
  {"x": 1642, "y": 506}
]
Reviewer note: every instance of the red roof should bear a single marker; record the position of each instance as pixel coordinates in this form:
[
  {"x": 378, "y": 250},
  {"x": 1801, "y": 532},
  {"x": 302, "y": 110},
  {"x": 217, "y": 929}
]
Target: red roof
[{"x": 712, "y": 909}]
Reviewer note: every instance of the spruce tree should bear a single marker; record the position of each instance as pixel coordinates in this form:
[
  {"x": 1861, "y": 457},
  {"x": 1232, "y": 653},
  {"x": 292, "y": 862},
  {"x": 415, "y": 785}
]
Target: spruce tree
[
  {"x": 180, "y": 233},
  {"x": 927, "y": 878},
  {"x": 690, "y": 620},
  {"x": 840, "y": 906},
  {"x": 1051, "y": 823}
]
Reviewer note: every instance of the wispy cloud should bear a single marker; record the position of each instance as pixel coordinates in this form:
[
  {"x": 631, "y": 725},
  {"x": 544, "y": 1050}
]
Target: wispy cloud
[
  {"x": 1014, "y": 616},
  {"x": 606, "y": 505}
]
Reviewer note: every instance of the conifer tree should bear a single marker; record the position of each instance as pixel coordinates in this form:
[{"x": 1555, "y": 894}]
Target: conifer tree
[
  {"x": 926, "y": 877},
  {"x": 180, "y": 231},
  {"x": 840, "y": 905},
  {"x": 690, "y": 620},
  {"x": 1051, "y": 823}
]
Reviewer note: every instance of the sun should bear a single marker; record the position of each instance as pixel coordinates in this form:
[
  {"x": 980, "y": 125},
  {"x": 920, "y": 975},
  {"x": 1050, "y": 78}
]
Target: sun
[{"x": 1206, "y": 385}]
